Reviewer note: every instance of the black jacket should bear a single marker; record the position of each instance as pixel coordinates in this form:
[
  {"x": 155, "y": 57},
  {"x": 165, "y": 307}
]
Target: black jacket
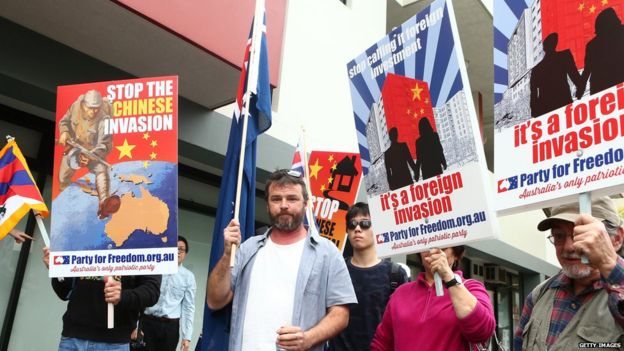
[{"x": 86, "y": 313}]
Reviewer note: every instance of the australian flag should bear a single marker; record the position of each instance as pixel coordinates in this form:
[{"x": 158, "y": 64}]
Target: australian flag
[
  {"x": 254, "y": 83},
  {"x": 18, "y": 191},
  {"x": 507, "y": 184},
  {"x": 64, "y": 259}
]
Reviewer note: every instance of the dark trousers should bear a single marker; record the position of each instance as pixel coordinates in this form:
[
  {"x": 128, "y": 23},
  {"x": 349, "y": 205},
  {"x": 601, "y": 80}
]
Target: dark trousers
[{"x": 160, "y": 335}]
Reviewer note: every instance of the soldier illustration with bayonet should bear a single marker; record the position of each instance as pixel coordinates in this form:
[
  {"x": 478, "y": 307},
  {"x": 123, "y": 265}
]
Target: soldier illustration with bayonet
[{"x": 82, "y": 133}]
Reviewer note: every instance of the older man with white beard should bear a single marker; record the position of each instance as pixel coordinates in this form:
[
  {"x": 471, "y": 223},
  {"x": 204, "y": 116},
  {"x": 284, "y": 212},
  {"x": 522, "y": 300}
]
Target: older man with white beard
[{"x": 583, "y": 305}]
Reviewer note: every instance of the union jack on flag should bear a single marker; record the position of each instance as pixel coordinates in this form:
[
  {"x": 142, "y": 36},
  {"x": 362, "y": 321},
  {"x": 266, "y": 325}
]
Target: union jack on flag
[
  {"x": 298, "y": 157},
  {"x": 18, "y": 191},
  {"x": 255, "y": 80}
]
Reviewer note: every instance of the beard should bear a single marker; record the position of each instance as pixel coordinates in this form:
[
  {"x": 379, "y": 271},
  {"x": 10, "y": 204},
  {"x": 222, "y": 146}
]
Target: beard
[
  {"x": 287, "y": 222},
  {"x": 575, "y": 271}
]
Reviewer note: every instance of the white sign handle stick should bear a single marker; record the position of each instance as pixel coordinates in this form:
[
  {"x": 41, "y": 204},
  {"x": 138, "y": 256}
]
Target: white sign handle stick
[
  {"x": 437, "y": 281},
  {"x": 110, "y": 321},
  {"x": 438, "y": 284},
  {"x": 42, "y": 230},
  {"x": 585, "y": 207}
]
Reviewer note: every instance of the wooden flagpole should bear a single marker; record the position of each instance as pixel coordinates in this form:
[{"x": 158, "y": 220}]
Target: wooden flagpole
[
  {"x": 252, "y": 83},
  {"x": 306, "y": 176}
]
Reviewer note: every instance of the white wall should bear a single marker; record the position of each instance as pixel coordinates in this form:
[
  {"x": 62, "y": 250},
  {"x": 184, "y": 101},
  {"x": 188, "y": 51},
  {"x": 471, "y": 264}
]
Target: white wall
[
  {"x": 520, "y": 231},
  {"x": 320, "y": 37}
]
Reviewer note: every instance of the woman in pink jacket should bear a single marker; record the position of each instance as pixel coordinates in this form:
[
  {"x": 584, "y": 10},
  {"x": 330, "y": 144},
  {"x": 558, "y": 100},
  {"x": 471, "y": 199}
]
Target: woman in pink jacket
[{"x": 417, "y": 319}]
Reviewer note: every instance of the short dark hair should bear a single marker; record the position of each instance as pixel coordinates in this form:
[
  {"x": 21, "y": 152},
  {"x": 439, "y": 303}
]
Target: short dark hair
[
  {"x": 359, "y": 208},
  {"x": 283, "y": 177},
  {"x": 183, "y": 239}
]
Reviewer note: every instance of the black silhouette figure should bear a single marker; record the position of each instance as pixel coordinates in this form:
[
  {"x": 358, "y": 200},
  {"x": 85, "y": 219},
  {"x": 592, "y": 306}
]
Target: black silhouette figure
[
  {"x": 398, "y": 161},
  {"x": 604, "y": 54},
  {"x": 549, "y": 78},
  {"x": 429, "y": 154},
  {"x": 2, "y": 211}
]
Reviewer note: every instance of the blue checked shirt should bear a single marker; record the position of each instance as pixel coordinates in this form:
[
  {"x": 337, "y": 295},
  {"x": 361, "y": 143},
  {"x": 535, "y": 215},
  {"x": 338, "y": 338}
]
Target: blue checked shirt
[
  {"x": 323, "y": 281},
  {"x": 566, "y": 303},
  {"x": 177, "y": 300}
]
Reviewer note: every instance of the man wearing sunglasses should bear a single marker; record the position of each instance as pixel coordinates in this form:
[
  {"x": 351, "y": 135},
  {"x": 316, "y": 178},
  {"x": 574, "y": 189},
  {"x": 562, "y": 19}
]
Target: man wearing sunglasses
[
  {"x": 584, "y": 303},
  {"x": 290, "y": 287},
  {"x": 374, "y": 280}
]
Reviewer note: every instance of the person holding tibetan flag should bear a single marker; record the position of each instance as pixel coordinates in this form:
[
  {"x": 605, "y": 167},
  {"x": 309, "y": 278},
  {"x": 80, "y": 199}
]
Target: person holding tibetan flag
[{"x": 18, "y": 192}]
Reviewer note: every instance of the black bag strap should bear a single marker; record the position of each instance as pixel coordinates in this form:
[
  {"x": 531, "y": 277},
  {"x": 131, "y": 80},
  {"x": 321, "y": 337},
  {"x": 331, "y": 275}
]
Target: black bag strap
[{"x": 395, "y": 276}]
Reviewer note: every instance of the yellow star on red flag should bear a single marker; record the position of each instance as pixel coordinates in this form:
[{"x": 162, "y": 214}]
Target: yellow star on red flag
[
  {"x": 154, "y": 143},
  {"x": 314, "y": 169},
  {"x": 125, "y": 149},
  {"x": 416, "y": 92}
]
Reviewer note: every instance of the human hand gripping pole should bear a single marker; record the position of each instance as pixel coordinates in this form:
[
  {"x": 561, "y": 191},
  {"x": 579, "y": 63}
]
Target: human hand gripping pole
[
  {"x": 437, "y": 279},
  {"x": 46, "y": 239},
  {"x": 232, "y": 238},
  {"x": 112, "y": 295}
]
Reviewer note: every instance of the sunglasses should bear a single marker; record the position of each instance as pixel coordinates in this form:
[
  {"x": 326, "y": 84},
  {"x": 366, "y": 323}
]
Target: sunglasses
[
  {"x": 364, "y": 224},
  {"x": 290, "y": 172}
]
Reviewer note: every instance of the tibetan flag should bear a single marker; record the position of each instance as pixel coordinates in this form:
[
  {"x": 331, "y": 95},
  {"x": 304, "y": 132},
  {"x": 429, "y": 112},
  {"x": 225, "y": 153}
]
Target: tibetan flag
[
  {"x": 254, "y": 83},
  {"x": 18, "y": 192}
]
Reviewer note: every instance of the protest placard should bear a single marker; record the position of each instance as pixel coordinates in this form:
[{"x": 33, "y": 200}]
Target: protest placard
[
  {"x": 424, "y": 167},
  {"x": 114, "y": 185},
  {"x": 559, "y": 98}
]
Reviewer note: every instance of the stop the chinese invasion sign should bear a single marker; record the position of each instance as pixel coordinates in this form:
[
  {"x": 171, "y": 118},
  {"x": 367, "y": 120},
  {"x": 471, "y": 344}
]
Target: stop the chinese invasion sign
[{"x": 115, "y": 191}]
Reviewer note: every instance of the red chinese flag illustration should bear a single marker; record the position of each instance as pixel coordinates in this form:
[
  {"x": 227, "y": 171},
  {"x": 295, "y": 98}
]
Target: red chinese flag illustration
[
  {"x": 405, "y": 102},
  {"x": 574, "y": 21},
  {"x": 334, "y": 182}
]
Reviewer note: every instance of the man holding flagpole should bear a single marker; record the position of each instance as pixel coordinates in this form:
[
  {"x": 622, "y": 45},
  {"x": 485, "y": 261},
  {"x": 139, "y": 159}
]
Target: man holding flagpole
[
  {"x": 290, "y": 287},
  {"x": 252, "y": 116}
]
